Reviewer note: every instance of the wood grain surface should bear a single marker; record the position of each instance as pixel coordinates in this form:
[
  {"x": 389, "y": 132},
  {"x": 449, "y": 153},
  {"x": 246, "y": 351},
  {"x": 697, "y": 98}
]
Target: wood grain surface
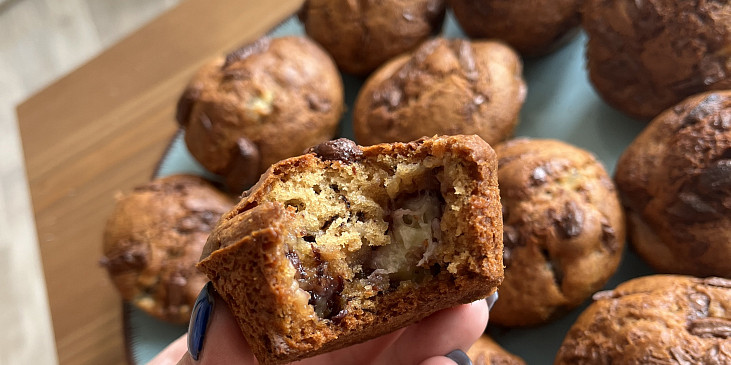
[{"x": 101, "y": 130}]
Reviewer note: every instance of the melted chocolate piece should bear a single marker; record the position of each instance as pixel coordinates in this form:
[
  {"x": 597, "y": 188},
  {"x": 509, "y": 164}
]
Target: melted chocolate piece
[
  {"x": 131, "y": 257},
  {"x": 711, "y": 327},
  {"x": 539, "y": 176},
  {"x": 609, "y": 237},
  {"x": 244, "y": 52},
  {"x": 185, "y": 105},
  {"x": 572, "y": 222},
  {"x": 341, "y": 149},
  {"x": 243, "y": 170}
]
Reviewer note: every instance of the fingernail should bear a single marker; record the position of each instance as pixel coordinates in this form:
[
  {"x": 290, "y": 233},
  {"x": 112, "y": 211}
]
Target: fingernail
[
  {"x": 459, "y": 357},
  {"x": 491, "y": 300},
  {"x": 199, "y": 318}
]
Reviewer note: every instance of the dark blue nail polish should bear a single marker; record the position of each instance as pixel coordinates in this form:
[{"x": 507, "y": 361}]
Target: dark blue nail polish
[
  {"x": 459, "y": 357},
  {"x": 491, "y": 300},
  {"x": 199, "y": 318}
]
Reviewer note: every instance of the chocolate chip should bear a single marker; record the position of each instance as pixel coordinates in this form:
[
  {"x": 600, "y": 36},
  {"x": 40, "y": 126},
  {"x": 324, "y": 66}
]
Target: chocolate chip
[
  {"x": 572, "y": 222},
  {"x": 511, "y": 236},
  {"x": 295, "y": 261},
  {"x": 132, "y": 256},
  {"x": 681, "y": 357},
  {"x": 243, "y": 170},
  {"x": 719, "y": 282},
  {"x": 553, "y": 266},
  {"x": 715, "y": 179},
  {"x": 245, "y": 51},
  {"x": 691, "y": 208},
  {"x": 202, "y": 221},
  {"x": 185, "y": 105},
  {"x": 711, "y": 327},
  {"x": 175, "y": 291},
  {"x": 604, "y": 294},
  {"x": 538, "y": 176},
  {"x": 699, "y": 303},
  {"x": 317, "y": 104},
  {"x": 710, "y": 105},
  {"x": 609, "y": 237},
  {"x": 341, "y": 149}
]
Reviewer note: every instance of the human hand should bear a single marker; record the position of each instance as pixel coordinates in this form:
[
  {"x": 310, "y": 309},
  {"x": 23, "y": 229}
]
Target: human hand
[{"x": 425, "y": 342}]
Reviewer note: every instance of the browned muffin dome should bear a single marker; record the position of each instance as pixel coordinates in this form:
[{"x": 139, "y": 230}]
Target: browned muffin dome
[
  {"x": 154, "y": 238},
  {"x": 444, "y": 87},
  {"x": 362, "y": 35},
  {"x": 564, "y": 230},
  {"x": 675, "y": 180},
  {"x": 260, "y": 104},
  {"x": 345, "y": 244},
  {"x": 645, "y": 56},
  {"x": 654, "y": 320},
  {"x": 532, "y": 27},
  {"x": 487, "y": 352}
]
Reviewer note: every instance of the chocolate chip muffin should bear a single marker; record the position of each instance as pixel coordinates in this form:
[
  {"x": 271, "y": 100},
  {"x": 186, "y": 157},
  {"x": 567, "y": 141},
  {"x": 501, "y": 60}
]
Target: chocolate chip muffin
[
  {"x": 362, "y": 35},
  {"x": 487, "y": 352},
  {"x": 646, "y": 56},
  {"x": 564, "y": 230},
  {"x": 153, "y": 240},
  {"x": 532, "y": 27},
  {"x": 654, "y": 320},
  {"x": 445, "y": 87},
  {"x": 345, "y": 244},
  {"x": 675, "y": 181},
  {"x": 264, "y": 102}
]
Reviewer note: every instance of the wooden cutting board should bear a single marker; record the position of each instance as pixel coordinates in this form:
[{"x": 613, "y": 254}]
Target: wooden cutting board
[{"x": 101, "y": 130}]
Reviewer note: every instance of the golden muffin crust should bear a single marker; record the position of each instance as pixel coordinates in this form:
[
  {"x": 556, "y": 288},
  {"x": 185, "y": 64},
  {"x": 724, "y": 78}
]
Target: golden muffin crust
[
  {"x": 487, "y": 352},
  {"x": 153, "y": 240},
  {"x": 262, "y": 103},
  {"x": 564, "y": 230},
  {"x": 661, "y": 319},
  {"x": 645, "y": 56},
  {"x": 675, "y": 181},
  {"x": 532, "y": 27},
  {"x": 362, "y": 35},
  {"x": 444, "y": 87}
]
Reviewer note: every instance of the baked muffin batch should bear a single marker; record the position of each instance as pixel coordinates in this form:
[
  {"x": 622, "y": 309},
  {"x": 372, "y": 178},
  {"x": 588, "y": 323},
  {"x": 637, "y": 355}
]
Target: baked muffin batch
[{"x": 563, "y": 217}]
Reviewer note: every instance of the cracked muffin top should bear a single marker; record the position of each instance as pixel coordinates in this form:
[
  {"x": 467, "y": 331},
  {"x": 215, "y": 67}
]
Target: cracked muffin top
[
  {"x": 563, "y": 229},
  {"x": 362, "y": 35},
  {"x": 660, "y": 319},
  {"x": 154, "y": 238},
  {"x": 645, "y": 56},
  {"x": 446, "y": 86},
  {"x": 262, "y": 103}
]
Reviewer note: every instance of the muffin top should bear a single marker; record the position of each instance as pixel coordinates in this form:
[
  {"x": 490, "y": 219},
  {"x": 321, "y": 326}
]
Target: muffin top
[{"x": 661, "y": 319}]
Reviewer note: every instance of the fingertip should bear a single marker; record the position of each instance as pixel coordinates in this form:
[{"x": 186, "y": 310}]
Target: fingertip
[{"x": 438, "y": 360}]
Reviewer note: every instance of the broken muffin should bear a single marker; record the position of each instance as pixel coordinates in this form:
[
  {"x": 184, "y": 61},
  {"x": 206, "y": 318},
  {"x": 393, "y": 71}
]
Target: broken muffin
[{"x": 344, "y": 243}]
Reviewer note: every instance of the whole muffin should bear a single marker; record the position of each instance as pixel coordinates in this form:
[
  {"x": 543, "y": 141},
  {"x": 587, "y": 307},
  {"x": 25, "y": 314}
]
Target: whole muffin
[
  {"x": 153, "y": 240},
  {"x": 654, "y": 320},
  {"x": 645, "y": 56},
  {"x": 675, "y": 181},
  {"x": 362, "y": 35},
  {"x": 267, "y": 101},
  {"x": 564, "y": 230},
  {"x": 487, "y": 352},
  {"x": 445, "y": 87},
  {"x": 533, "y": 27}
]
